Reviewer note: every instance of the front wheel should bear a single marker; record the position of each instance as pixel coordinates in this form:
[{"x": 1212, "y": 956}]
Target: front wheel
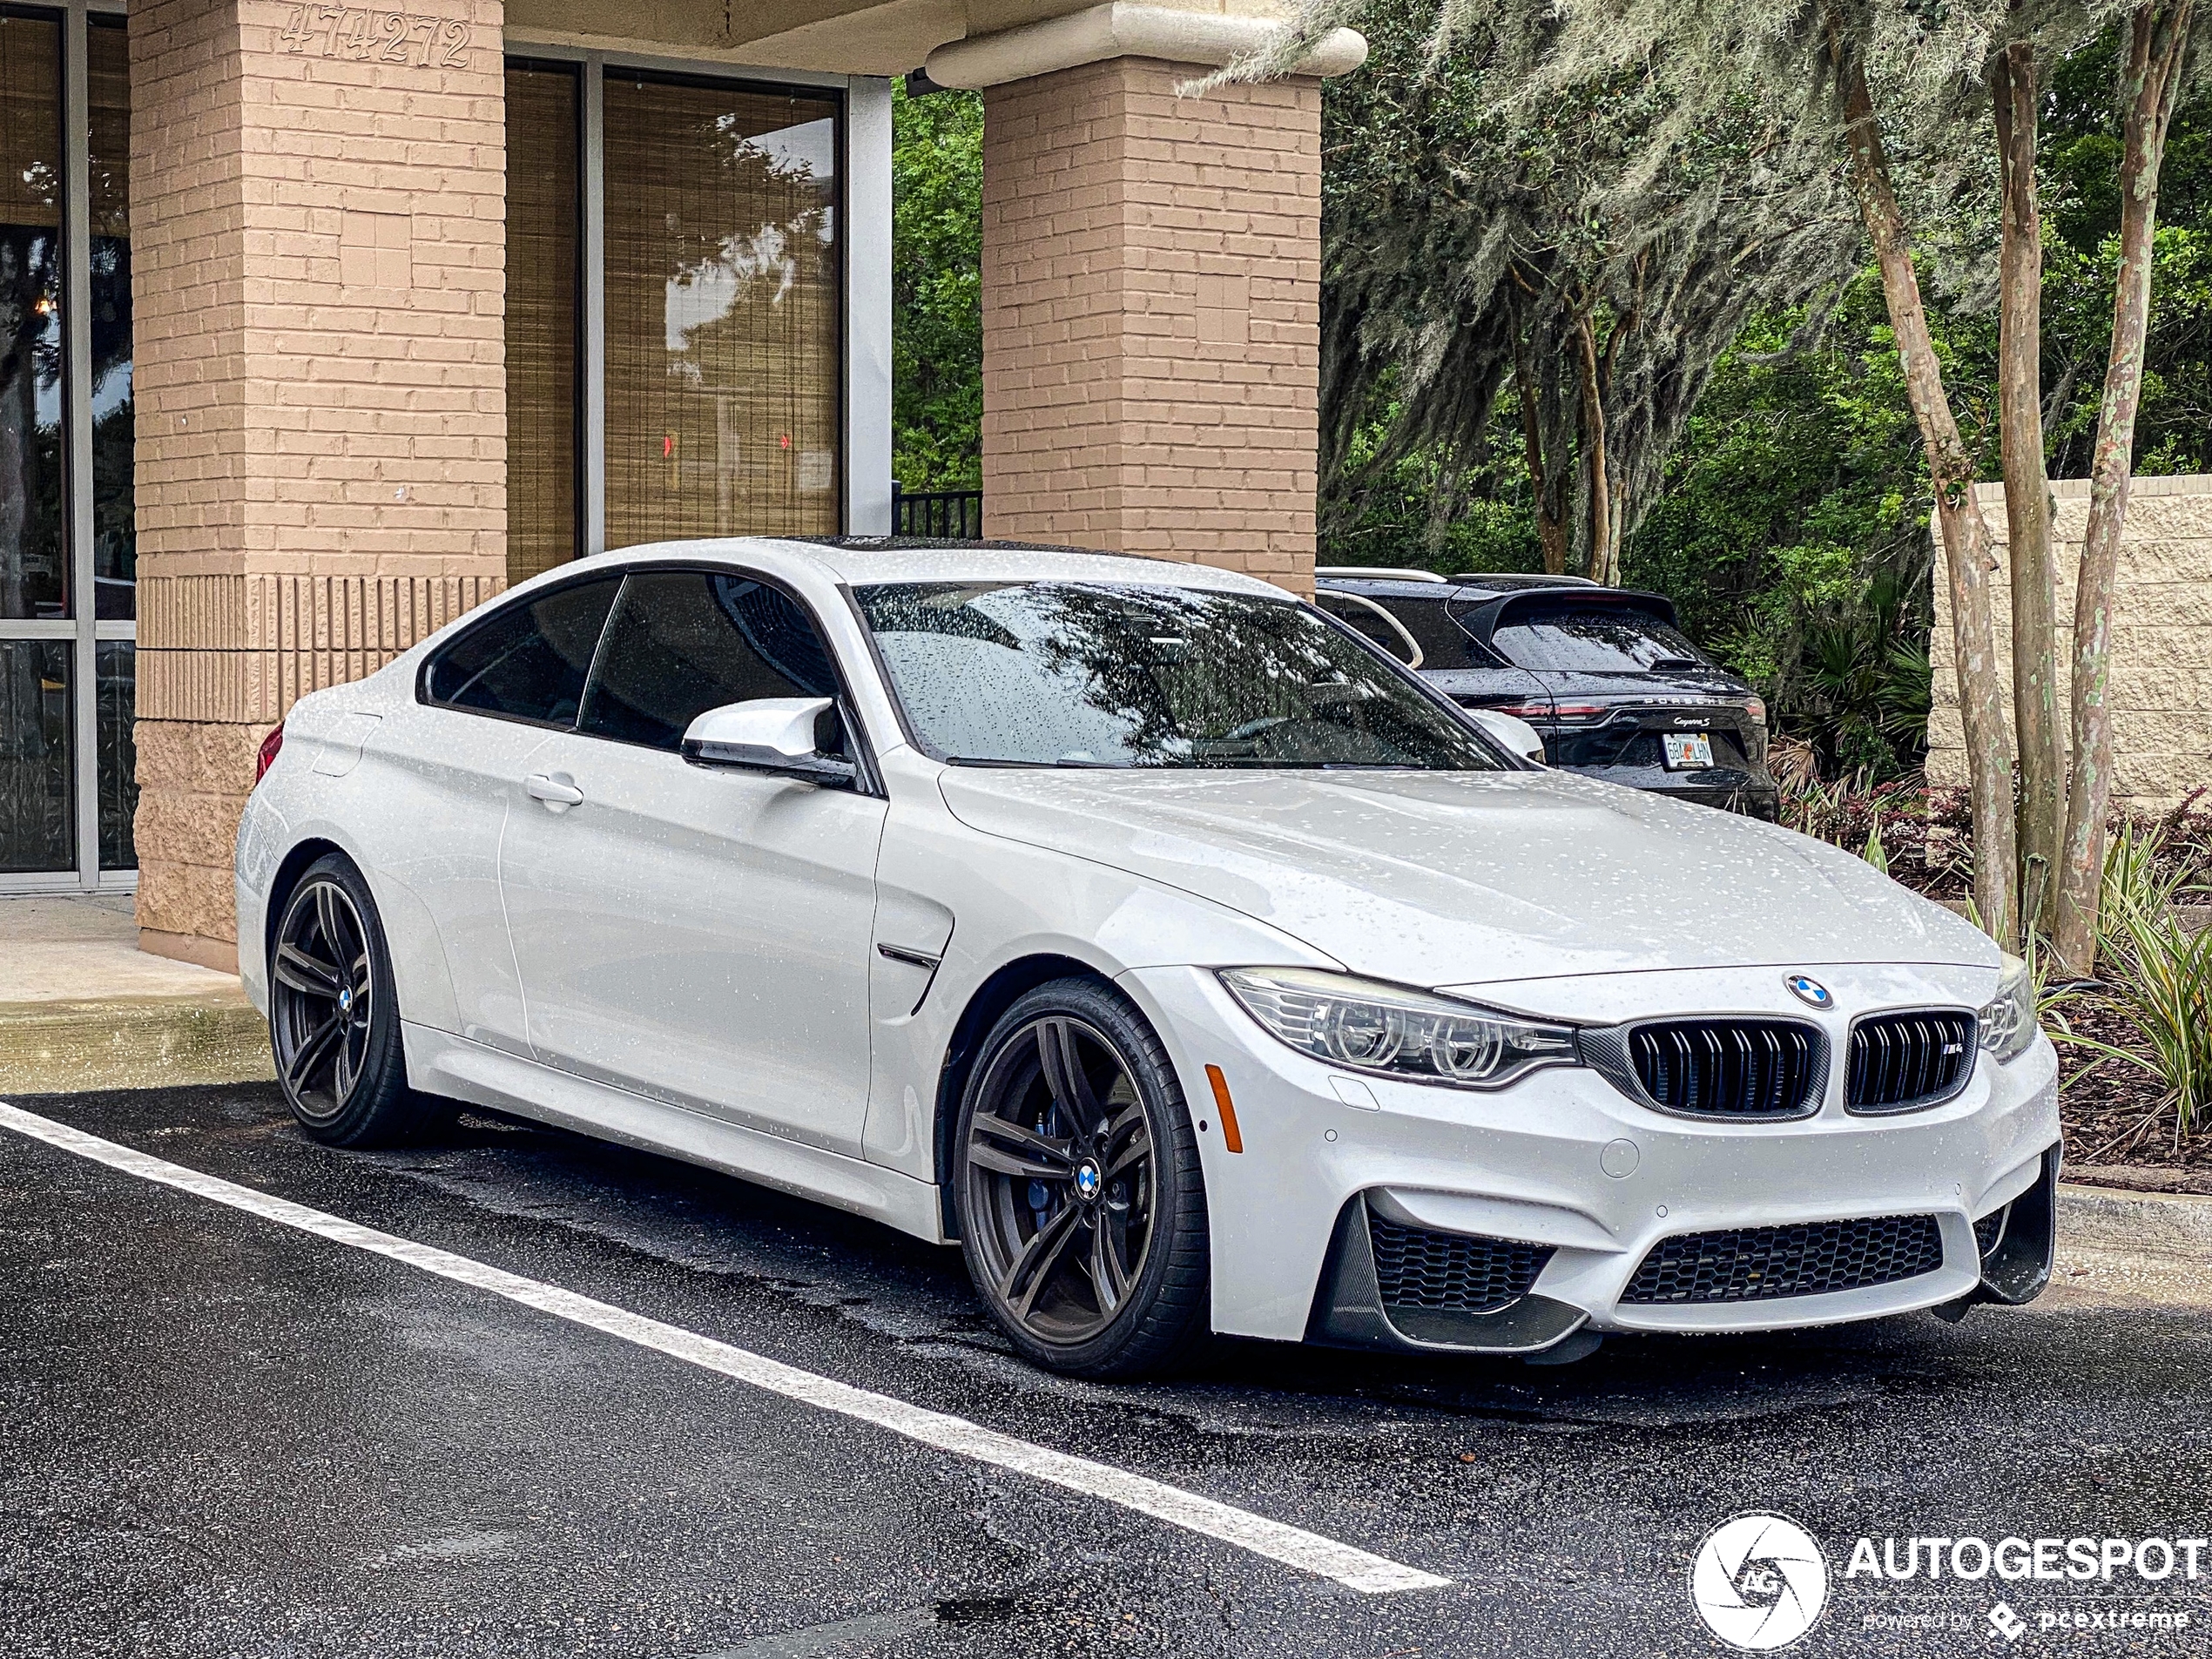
[
  {"x": 335, "y": 1017},
  {"x": 1083, "y": 1210}
]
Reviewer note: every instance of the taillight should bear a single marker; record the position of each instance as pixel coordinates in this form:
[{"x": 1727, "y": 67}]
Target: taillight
[
  {"x": 270, "y": 744},
  {"x": 1756, "y": 707},
  {"x": 1518, "y": 710},
  {"x": 1578, "y": 710}
]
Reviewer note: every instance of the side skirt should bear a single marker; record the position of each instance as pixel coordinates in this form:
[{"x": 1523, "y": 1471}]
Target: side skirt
[{"x": 439, "y": 1064}]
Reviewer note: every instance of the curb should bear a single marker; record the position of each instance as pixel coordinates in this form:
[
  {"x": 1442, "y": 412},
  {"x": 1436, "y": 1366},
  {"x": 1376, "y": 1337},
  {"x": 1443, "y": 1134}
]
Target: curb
[
  {"x": 143, "y": 1042},
  {"x": 2154, "y": 1224}
]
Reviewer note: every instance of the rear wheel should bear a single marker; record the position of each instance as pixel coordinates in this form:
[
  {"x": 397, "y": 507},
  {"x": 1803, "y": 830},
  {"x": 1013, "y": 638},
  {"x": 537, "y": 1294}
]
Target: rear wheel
[
  {"x": 334, "y": 1019},
  {"x": 1083, "y": 1211}
]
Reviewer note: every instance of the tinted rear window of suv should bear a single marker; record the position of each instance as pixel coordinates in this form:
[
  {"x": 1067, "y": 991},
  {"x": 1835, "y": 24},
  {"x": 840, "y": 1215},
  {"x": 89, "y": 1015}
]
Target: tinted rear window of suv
[{"x": 1593, "y": 639}]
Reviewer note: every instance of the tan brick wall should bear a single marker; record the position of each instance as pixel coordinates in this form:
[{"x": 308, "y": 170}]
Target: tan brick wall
[
  {"x": 2161, "y": 679},
  {"x": 1151, "y": 315},
  {"x": 318, "y": 286}
]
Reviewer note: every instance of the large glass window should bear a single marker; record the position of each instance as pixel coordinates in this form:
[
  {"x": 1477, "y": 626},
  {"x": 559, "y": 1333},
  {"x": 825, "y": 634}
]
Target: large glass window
[
  {"x": 115, "y": 554},
  {"x": 722, "y": 298},
  {"x": 35, "y": 773},
  {"x": 675, "y": 295},
  {"x": 68, "y": 558},
  {"x": 543, "y": 413},
  {"x": 34, "y": 546}
]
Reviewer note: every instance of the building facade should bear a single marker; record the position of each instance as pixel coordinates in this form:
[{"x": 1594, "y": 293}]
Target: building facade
[
  {"x": 327, "y": 323},
  {"x": 2162, "y": 674}
]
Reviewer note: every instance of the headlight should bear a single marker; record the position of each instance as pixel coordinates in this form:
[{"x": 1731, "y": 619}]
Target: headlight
[
  {"x": 1389, "y": 1031},
  {"x": 2008, "y": 1020}
]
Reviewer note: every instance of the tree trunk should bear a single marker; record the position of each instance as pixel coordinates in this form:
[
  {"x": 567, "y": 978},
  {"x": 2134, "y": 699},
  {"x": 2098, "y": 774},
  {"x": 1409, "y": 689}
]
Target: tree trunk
[
  {"x": 1966, "y": 535},
  {"x": 2157, "y": 43},
  {"x": 1601, "y": 513},
  {"x": 2027, "y": 491},
  {"x": 1551, "y": 528}
]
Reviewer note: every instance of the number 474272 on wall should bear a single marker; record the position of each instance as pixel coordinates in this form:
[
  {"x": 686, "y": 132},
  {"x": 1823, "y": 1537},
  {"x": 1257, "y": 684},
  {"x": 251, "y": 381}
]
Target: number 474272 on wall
[{"x": 368, "y": 36}]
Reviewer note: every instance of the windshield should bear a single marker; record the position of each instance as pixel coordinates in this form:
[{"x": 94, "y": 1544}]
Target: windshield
[
  {"x": 1070, "y": 674},
  {"x": 1613, "y": 640}
]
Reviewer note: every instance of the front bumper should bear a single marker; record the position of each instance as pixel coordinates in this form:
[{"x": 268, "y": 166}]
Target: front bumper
[{"x": 1565, "y": 1162}]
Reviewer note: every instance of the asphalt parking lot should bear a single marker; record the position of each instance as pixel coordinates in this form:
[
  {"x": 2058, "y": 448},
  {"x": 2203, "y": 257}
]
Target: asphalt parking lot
[{"x": 225, "y": 1435}]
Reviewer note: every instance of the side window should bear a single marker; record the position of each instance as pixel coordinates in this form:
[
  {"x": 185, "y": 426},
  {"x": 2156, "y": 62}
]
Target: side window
[
  {"x": 683, "y": 642},
  {"x": 1361, "y": 615},
  {"x": 1444, "y": 644},
  {"x": 527, "y": 661}
]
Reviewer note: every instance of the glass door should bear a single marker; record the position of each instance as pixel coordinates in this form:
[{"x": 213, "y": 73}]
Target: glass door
[{"x": 67, "y": 547}]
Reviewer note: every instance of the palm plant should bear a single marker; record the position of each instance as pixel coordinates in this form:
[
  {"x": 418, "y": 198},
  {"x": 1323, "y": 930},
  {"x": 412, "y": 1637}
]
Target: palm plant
[{"x": 2157, "y": 975}]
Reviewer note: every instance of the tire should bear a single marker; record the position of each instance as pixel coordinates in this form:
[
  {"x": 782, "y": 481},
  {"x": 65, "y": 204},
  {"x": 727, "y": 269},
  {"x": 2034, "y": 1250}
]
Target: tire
[
  {"x": 335, "y": 1016},
  {"x": 1073, "y": 1164}
]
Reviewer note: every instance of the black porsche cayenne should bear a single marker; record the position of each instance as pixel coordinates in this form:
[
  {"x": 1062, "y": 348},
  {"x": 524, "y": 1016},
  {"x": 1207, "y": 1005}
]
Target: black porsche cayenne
[{"x": 1604, "y": 675}]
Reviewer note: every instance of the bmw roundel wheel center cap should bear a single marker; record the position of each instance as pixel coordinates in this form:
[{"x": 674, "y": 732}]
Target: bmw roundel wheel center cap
[{"x": 1087, "y": 1180}]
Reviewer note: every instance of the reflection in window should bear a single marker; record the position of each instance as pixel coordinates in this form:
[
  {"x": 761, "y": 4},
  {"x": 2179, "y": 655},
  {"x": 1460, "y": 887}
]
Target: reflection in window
[
  {"x": 541, "y": 207},
  {"x": 1069, "y": 674},
  {"x": 118, "y": 753},
  {"x": 34, "y": 756},
  {"x": 115, "y": 556},
  {"x": 1614, "y": 640},
  {"x": 33, "y": 552},
  {"x": 722, "y": 335}
]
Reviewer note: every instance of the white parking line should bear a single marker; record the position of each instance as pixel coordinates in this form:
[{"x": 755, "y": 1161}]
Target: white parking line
[{"x": 1292, "y": 1546}]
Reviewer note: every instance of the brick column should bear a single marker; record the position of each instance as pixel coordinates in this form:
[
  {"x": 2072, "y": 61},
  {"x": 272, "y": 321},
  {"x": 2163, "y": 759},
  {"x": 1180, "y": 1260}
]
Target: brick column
[
  {"x": 1151, "y": 315},
  {"x": 318, "y": 280}
]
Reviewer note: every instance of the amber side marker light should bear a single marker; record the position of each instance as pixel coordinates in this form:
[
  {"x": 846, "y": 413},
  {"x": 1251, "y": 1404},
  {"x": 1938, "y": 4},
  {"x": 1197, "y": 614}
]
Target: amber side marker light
[{"x": 1230, "y": 1136}]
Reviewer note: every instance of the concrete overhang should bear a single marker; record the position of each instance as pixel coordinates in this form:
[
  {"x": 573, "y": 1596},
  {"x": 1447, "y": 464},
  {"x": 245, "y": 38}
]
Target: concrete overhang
[{"x": 974, "y": 42}]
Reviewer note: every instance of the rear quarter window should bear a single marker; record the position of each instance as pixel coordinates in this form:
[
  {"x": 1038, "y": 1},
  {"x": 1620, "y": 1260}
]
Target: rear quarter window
[
  {"x": 528, "y": 660},
  {"x": 1443, "y": 643}
]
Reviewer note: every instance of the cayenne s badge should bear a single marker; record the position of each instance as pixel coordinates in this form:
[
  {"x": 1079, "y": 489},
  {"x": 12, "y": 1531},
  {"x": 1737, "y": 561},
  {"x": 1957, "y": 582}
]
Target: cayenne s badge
[{"x": 1811, "y": 992}]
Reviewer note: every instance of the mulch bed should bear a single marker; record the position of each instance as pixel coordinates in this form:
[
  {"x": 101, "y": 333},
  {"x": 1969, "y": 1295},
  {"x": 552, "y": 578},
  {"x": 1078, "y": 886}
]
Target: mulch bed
[{"x": 2117, "y": 1131}]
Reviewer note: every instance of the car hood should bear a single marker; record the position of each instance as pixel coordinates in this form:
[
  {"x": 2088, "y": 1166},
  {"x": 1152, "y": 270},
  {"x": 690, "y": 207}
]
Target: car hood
[{"x": 1466, "y": 878}]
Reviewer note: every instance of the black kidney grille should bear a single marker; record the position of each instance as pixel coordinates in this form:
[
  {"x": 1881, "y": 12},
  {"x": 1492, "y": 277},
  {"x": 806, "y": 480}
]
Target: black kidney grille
[
  {"x": 1760, "y": 1264},
  {"x": 1729, "y": 1068},
  {"x": 1416, "y": 1268},
  {"x": 1900, "y": 1061}
]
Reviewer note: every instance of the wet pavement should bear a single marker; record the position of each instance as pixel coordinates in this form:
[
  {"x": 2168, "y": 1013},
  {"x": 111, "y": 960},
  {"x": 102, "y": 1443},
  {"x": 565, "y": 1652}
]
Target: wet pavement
[{"x": 221, "y": 1436}]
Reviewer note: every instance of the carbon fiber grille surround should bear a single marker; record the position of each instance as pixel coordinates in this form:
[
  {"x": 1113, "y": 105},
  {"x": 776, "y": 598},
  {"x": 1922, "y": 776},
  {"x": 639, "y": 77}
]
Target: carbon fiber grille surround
[
  {"x": 1901, "y": 1060},
  {"x": 1762, "y": 1263},
  {"x": 1740, "y": 1068},
  {"x": 1459, "y": 1272}
]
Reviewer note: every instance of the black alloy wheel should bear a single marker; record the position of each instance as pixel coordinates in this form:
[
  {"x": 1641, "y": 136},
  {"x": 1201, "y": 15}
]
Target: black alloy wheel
[
  {"x": 1082, "y": 1213},
  {"x": 334, "y": 1016},
  {"x": 322, "y": 996}
]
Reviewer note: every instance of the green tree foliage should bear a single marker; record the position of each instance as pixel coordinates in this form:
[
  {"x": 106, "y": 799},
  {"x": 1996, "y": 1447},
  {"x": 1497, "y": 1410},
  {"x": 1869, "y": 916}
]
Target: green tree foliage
[
  {"x": 937, "y": 290},
  {"x": 1795, "y": 516},
  {"x": 1576, "y": 250}
]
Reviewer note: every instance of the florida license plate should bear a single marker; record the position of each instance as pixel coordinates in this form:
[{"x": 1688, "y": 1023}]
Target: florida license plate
[{"x": 1688, "y": 749}]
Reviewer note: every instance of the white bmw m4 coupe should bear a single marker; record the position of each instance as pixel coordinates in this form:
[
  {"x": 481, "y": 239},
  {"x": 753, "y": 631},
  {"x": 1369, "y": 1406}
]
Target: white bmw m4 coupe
[{"x": 1150, "y": 933}]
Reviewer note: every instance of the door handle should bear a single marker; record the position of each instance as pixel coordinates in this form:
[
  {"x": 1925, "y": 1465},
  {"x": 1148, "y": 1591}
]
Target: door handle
[{"x": 557, "y": 792}]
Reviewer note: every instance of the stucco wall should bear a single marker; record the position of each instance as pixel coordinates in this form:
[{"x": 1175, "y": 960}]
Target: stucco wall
[{"x": 2162, "y": 686}]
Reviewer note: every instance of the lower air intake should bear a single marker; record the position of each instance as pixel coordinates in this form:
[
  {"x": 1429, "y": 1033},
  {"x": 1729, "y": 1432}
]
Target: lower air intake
[
  {"x": 1762, "y": 1263},
  {"x": 1458, "y": 1272}
]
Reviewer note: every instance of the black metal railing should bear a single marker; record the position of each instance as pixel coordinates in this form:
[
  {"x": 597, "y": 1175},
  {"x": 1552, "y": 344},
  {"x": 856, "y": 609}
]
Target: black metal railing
[{"x": 941, "y": 515}]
